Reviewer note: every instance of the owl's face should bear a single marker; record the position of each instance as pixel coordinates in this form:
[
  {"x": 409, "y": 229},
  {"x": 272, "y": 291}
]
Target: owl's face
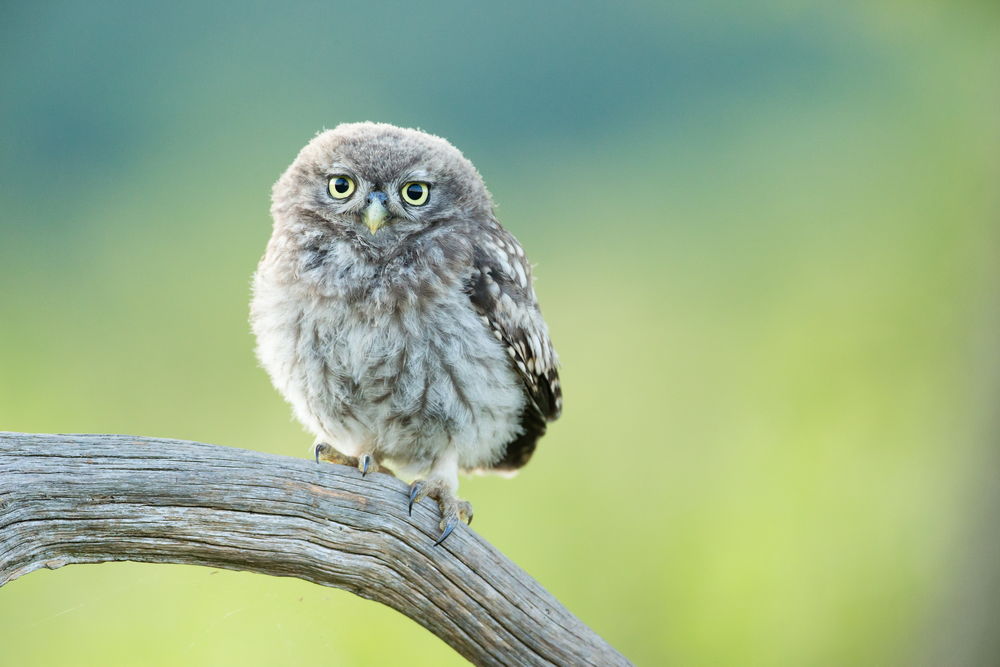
[{"x": 379, "y": 184}]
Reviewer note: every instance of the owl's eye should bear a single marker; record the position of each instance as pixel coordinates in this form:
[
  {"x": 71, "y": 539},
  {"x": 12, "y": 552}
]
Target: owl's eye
[
  {"x": 416, "y": 193},
  {"x": 341, "y": 187}
]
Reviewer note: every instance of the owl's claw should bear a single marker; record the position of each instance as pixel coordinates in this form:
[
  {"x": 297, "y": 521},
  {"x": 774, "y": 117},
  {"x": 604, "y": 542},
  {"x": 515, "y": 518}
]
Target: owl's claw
[
  {"x": 453, "y": 510},
  {"x": 415, "y": 489},
  {"x": 365, "y": 463},
  {"x": 450, "y": 526}
]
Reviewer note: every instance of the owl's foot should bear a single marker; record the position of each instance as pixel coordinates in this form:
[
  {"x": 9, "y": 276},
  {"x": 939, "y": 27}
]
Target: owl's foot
[
  {"x": 453, "y": 510},
  {"x": 366, "y": 463}
]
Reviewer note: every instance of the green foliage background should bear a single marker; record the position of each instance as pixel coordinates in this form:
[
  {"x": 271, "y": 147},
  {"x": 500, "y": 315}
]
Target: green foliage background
[{"x": 766, "y": 244}]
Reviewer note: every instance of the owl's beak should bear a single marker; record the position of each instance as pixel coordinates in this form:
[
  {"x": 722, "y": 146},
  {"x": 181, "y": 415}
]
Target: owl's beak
[{"x": 375, "y": 214}]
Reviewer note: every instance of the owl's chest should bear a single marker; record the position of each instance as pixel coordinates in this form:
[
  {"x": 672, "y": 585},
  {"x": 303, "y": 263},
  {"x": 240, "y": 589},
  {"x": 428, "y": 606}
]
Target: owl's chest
[
  {"x": 360, "y": 349},
  {"x": 374, "y": 325},
  {"x": 411, "y": 379},
  {"x": 431, "y": 369},
  {"x": 373, "y": 356}
]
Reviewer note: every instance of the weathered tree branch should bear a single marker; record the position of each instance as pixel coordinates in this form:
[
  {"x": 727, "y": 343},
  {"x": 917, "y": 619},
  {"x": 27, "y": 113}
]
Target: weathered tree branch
[{"x": 94, "y": 498}]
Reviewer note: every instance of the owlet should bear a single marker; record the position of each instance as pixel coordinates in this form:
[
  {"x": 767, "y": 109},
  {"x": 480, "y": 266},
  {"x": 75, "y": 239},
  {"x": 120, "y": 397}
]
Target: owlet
[{"x": 398, "y": 318}]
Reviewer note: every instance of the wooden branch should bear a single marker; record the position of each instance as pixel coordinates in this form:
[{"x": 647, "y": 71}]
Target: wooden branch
[{"x": 68, "y": 499}]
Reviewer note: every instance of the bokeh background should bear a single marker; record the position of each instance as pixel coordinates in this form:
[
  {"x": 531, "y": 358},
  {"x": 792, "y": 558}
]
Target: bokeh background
[{"x": 766, "y": 238}]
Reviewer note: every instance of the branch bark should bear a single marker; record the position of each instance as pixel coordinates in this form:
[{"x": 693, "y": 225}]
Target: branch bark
[{"x": 67, "y": 499}]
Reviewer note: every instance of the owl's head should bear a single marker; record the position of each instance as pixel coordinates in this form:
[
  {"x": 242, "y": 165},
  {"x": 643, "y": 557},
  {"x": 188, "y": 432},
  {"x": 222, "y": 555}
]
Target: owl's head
[{"x": 379, "y": 181}]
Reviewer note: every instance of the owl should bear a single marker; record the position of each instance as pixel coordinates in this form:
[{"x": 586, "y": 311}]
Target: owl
[{"x": 397, "y": 316}]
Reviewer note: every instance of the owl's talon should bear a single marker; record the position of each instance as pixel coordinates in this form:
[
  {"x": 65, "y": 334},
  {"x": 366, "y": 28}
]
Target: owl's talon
[
  {"x": 453, "y": 510},
  {"x": 328, "y": 453},
  {"x": 364, "y": 462},
  {"x": 449, "y": 526},
  {"x": 415, "y": 494}
]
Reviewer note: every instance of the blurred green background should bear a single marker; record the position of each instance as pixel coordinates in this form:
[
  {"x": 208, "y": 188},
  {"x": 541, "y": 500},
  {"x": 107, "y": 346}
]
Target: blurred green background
[{"x": 766, "y": 238}]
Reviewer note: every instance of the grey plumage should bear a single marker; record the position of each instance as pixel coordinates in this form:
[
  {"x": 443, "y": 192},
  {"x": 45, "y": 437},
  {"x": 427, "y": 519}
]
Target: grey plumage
[{"x": 399, "y": 331}]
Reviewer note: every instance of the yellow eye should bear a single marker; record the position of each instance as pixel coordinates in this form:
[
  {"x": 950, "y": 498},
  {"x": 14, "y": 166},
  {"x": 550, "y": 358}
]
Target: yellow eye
[
  {"x": 341, "y": 187},
  {"x": 416, "y": 193}
]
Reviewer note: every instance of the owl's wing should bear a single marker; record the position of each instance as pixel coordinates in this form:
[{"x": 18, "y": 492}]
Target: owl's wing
[{"x": 501, "y": 291}]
